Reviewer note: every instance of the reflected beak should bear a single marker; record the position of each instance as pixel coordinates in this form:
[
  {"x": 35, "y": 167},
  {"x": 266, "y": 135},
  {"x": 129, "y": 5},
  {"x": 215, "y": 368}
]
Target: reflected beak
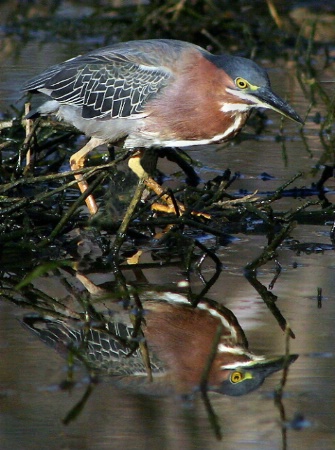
[
  {"x": 270, "y": 100},
  {"x": 269, "y": 366},
  {"x": 252, "y": 375}
]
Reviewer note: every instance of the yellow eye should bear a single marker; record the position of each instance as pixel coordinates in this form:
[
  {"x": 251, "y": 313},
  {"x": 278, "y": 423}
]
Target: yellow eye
[
  {"x": 236, "y": 377},
  {"x": 241, "y": 83}
]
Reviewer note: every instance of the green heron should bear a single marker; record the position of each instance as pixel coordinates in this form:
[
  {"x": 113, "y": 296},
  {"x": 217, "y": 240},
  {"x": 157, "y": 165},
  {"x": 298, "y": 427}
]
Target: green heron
[
  {"x": 180, "y": 339},
  {"x": 154, "y": 93}
]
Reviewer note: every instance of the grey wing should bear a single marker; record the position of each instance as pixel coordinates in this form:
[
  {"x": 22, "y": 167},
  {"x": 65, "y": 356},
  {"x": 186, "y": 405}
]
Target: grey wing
[
  {"x": 104, "y": 87},
  {"x": 99, "y": 350}
]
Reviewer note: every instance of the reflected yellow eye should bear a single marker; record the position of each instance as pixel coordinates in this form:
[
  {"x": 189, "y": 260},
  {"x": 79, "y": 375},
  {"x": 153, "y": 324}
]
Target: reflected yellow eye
[
  {"x": 236, "y": 377},
  {"x": 242, "y": 83}
]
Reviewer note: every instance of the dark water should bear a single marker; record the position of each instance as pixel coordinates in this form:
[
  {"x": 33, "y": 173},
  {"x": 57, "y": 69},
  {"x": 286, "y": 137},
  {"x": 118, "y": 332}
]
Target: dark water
[{"x": 32, "y": 403}]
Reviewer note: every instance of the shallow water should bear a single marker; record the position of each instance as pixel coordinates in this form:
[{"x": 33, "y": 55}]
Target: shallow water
[{"x": 32, "y": 403}]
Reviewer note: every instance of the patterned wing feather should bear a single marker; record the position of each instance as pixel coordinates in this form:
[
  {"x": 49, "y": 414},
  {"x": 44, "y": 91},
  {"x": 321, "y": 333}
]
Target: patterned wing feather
[
  {"x": 100, "y": 351},
  {"x": 105, "y": 86}
]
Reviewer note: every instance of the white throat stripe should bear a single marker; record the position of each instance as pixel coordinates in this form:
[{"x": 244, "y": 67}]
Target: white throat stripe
[{"x": 235, "y": 107}]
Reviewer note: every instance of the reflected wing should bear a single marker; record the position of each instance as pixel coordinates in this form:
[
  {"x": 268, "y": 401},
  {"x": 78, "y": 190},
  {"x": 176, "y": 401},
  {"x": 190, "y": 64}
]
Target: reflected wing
[{"x": 110, "y": 351}]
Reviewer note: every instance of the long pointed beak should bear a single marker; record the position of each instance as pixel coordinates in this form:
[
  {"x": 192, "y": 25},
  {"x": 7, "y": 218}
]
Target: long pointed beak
[
  {"x": 269, "y": 366},
  {"x": 254, "y": 375},
  {"x": 271, "y": 100}
]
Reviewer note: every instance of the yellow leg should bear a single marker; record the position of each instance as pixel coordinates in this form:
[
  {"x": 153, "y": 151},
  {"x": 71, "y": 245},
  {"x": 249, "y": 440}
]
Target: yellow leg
[
  {"x": 77, "y": 161},
  {"x": 134, "y": 164},
  {"x": 171, "y": 207}
]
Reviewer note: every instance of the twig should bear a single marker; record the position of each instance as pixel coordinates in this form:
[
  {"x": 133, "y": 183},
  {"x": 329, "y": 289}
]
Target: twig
[{"x": 213, "y": 419}]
